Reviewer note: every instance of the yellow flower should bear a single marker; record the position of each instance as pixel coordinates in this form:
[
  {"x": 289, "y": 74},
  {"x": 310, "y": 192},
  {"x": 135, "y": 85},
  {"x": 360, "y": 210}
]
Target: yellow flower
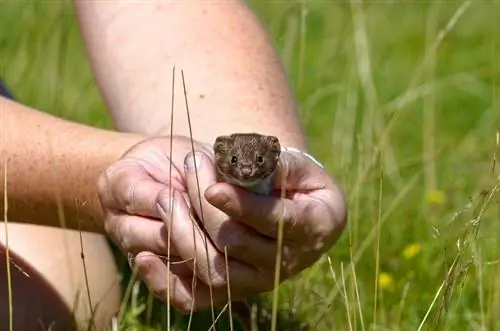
[
  {"x": 435, "y": 197},
  {"x": 385, "y": 281},
  {"x": 411, "y": 250}
]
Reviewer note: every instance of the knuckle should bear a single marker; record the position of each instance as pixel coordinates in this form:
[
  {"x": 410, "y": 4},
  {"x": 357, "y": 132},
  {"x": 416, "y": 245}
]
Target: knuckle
[
  {"x": 217, "y": 275},
  {"x": 102, "y": 185},
  {"x": 164, "y": 194},
  {"x": 110, "y": 172},
  {"x": 187, "y": 305},
  {"x": 138, "y": 197},
  {"x": 127, "y": 198},
  {"x": 312, "y": 222},
  {"x": 168, "y": 292},
  {"x": 319, "y": 228},
  {"x": 108, "y": 225},
  {"x": 111, "y": 228},
  {"x": 118, "y": 185},
  {"x": 160, "y": 292},
  {"x": 327, "y": 223},
  {"x": 212, "y": 272},
  {"x": 183, "y": 308},
  {"x": 226, "y": 204},
  {"x": 216, "y": 281},
  {"x": 234, "y": 238},
  {"x": 104, "y": 194},
  {"x": 292, "y": 222},
  {"x": 182, "y": 304},
  {"x": 162, "y": 241},
  {"x": 278, "y": 212},
  {"x": 123, "y": 230}
]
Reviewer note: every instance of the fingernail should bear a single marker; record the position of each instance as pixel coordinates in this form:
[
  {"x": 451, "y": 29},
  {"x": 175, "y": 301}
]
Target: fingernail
[
  {"x": 217, "y": 197},
  {"x": 167, "y": 204},
  {"x": 192, "y": 162}
]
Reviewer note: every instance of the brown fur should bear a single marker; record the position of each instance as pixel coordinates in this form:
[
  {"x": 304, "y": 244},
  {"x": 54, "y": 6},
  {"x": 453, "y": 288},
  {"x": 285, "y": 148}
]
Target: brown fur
[{"x": 253, "y": 153}]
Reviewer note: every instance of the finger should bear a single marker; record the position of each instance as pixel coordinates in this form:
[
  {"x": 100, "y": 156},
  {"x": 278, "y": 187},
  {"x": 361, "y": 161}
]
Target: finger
[
  {"x": 134, "y": 234},
  {"x": 246, "y": 244},
  {"x": 145, "y": 260},
  {"x": 199, "y": 174},
  {"x": 297, "y": 173},
  {"x": 176, "y": 285},
  {"x": 264, "y": 213},
  {"x": 305, "y": 179},
  {"x": 206, "y": 261},
  {"x": 127, "y": 187},
  {"x": 308, "y": 208},
  {"x": 242, "y": 242}
]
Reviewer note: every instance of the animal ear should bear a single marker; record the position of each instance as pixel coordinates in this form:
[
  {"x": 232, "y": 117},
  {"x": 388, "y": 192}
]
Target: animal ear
[
  {"x": 220, "y": 143},
  {"x": 274, "y": 143}
]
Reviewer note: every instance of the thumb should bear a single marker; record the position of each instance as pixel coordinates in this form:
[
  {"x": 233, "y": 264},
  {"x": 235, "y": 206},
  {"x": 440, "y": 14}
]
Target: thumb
[
  {"x": 200, "y": 175},
  {"x": 297, "y": 170}
]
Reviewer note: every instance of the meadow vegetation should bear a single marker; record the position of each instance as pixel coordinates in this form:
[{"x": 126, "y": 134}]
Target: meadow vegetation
[{"x": 400, "y": 101}]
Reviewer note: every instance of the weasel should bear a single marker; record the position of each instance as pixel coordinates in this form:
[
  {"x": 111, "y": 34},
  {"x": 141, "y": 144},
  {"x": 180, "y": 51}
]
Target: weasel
[{"x": 248, "y": 160}]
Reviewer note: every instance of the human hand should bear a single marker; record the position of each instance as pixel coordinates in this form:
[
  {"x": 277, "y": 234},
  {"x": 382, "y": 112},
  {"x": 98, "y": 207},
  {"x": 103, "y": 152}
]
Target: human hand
[
  {"x": 313, "y": 213},
  {"x": 136, "y": 194}
]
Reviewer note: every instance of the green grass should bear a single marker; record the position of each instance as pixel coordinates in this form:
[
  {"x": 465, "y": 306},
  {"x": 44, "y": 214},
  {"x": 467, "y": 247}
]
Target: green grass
[{"x": 400, "y": 101}]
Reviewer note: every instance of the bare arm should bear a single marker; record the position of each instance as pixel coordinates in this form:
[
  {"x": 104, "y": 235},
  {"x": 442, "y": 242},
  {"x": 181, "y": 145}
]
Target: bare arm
[
  {"x": 47, "y": 158},
  {"x": 234, "y": 79}
]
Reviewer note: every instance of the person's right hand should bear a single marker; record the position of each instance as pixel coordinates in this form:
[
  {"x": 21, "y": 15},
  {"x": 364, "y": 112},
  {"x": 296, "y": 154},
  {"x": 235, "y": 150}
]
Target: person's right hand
[{"x": 135, "y": 194}]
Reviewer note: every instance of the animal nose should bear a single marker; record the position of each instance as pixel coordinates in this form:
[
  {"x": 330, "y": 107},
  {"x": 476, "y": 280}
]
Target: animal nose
[{"x": 246, "y": 171}]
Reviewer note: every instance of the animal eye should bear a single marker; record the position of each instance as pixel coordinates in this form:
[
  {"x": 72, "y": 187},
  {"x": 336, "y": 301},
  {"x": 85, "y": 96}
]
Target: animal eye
[
  {"x": 260, "y": 159},
  {"x": 234, "y": 159}
]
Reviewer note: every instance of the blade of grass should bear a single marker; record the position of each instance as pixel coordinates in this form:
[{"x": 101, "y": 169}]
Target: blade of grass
[
  {"x": 303, "y": 41},
  {"x": 377, "y": 249},
  {"x": 277, "y": 270},
  {"x": 228, "y": 290},
  {"x": 346, "y": 299},
  {"x": 369, "y": 238},
  {"x": 428, "y": 123},
  {"x": 372, "y": 121},
  {"x": 205, "y": 240},
  {"x": 171, "y": 198},
  {"x": 7, "y": 249}
]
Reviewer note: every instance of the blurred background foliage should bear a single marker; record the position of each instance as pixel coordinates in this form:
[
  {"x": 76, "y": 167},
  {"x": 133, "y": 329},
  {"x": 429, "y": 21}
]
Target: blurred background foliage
[{"x": 399, "y": 100}]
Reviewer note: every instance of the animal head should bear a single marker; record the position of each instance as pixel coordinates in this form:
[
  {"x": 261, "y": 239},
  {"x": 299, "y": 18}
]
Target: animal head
[{"x": 246, "y": 158}]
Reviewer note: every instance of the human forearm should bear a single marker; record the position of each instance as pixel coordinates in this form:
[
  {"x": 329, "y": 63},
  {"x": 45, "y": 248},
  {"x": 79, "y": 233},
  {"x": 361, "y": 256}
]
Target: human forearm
[
  {"x": 234, "y": 79},
  {"x": 49, "y": 160}
]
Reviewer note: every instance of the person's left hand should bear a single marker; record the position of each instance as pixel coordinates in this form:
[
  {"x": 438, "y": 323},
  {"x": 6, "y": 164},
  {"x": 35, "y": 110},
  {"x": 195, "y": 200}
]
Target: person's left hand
[{"x": 313, "y": 212}]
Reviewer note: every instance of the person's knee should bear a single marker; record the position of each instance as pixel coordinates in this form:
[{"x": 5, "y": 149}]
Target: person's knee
[
  {"x": 27, "y": 301},
  {"x": 53, "y": 283}
]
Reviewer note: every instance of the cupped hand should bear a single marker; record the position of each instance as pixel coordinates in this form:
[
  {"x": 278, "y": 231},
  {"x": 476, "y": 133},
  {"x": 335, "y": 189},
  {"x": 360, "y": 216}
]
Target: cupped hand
[
  {"x": 145, "y": 208},
  {"x": 313, "y": 213}
]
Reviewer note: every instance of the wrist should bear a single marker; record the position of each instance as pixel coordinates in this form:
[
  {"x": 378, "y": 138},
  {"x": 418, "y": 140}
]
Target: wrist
[{"x": 108, "y": 148}]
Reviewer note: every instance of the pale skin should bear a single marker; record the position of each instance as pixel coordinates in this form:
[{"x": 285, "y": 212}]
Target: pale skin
[
  {"x": 42, "y": 166},
  {"x": 235, "y": 84},
  {"x": 235, "y": 81}
]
